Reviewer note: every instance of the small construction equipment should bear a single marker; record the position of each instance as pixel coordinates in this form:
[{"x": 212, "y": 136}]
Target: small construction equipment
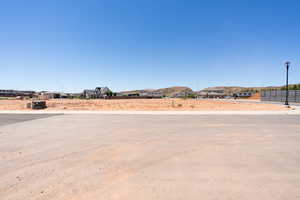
[{"x": 36, "y": 105}]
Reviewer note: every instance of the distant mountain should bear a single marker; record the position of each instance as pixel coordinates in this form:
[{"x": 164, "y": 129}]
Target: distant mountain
[
  {"x": 234, "y": 89},
  {"x": 168, "y": 92},
  {"x": 135, "y": 91}
]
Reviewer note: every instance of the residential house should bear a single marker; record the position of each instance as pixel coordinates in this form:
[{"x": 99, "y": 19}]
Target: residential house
[
  {"x": 15, "y": 93},
  {"x": 102, "y": 92},
  {"x": 156, "y": 94},
  {"x": 211, "y": 93},
  {"x": 89, "y": 94},
  {"x": 243, "y": 94},
  {"x": 97, "y": 93},
  {"x": 52, "y": 95},
  {"x": 182, "y": 94}
]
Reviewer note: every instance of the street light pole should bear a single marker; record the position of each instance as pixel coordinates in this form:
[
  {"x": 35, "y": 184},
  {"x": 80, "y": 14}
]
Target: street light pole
[{"x": 287, "y": 84}]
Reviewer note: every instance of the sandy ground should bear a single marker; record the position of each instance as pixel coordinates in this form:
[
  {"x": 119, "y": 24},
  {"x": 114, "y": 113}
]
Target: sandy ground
[
  {"x": 256, "y": 96},
  {"x": 130, "y": 157},
  {"x": 144, "y": 105}
]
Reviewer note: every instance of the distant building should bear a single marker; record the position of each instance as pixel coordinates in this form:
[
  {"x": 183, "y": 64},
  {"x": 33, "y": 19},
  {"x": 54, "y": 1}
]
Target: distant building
[
  {"x": 211, "y": 93},
  {"x": 102, "y": 92},
  {"x": 53, "y": 95},
  {"x": 89, "y": 94},
  {"x": 118, "y": 94},
  {"x": 97, "y": 93},
  {"x": 182, "y": 94},
  {"x": 133, "y": 95},
  {"x": 243, "y": 94},
  {"x": 75, "y": 95},
  {"x": 156, "y": 94},
  {"x": 16, "y": 93}
]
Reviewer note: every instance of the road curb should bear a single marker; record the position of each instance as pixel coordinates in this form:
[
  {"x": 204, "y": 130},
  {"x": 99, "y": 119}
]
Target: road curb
[{"x": 289, "y": 112}]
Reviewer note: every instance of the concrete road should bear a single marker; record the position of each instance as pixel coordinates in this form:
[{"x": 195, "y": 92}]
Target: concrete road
[
  {"x": 15, "y": 118},
  {"x": 92, "y": 157}
]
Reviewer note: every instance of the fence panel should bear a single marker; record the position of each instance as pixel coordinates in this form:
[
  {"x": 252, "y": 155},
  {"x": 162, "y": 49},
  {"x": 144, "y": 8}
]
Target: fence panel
[
  {"x": 297, "y": 96},
  {"x": 280, "y": 95}
]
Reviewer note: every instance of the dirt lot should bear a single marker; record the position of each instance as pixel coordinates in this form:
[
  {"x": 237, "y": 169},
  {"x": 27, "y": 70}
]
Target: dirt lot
[{"x": 142, "y": 105}]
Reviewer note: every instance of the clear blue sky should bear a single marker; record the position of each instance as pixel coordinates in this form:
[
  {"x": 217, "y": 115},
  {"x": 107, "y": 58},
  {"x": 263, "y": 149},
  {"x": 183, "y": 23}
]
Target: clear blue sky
[{"x": 70, "y": 45}]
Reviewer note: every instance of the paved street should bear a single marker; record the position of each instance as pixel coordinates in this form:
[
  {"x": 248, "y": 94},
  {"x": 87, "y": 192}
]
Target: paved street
[
  {"x": 143, "y": 157},
  {"x": 15, "y": 118}
]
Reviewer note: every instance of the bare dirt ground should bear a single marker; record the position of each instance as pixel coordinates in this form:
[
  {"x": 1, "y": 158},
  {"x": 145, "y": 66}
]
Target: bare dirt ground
[
  {"x": 144, "y": 105},
  {"x": 255, "y": 96}
]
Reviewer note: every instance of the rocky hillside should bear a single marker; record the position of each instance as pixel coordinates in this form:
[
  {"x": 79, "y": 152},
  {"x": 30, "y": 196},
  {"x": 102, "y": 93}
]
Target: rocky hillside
[
  {"x": 135, "y": 91},
  {"x": 166, "y": 91},
  {"x": 173, "y": 90},
  {"x": 169, "y": 92},
  {"x": 233, "y": 89}
]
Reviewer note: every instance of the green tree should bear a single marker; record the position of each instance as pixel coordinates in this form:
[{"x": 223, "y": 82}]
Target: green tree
[{"x": 110, "y": 93}]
